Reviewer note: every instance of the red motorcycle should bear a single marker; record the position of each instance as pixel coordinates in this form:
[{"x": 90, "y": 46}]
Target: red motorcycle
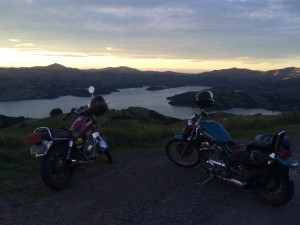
[{"x": 62, "y": 150}]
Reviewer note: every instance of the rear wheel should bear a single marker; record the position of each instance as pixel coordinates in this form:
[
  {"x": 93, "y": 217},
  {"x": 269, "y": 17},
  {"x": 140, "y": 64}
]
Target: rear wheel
[
  {"x": 276, "y": 189},
  {"x": 56, "y": 171},
  {"x": 182, "y": 153}
]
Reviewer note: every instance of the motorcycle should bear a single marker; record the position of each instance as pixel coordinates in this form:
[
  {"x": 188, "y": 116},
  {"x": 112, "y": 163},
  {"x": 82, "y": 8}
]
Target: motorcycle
[
  {"x": 62, "y": 150},
  {"x": 263, "y": 165}
]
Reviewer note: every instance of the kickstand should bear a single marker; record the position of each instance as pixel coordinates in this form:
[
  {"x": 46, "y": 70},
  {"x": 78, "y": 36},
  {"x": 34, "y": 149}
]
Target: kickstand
[{"x": 209, "y": 179}]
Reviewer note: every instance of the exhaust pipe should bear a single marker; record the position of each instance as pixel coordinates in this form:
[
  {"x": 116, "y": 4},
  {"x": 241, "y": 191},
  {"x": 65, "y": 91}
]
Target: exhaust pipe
[
  {"x": 80, "y": 162},
  {"x": 233, "y": 181}
]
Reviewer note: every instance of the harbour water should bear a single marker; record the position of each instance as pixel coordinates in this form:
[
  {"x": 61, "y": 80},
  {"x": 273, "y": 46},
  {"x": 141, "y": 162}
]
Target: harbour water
[{"x": 124, "y": 98}]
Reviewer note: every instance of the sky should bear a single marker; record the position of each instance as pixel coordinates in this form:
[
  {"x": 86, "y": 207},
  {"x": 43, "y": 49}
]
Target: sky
[{"x": 177, "y": 35}]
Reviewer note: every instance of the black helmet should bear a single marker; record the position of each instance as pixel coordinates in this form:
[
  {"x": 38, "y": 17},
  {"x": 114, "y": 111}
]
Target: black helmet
[
  {"x": 205, "y": 99},
  {"x": 98, "y": 106}
]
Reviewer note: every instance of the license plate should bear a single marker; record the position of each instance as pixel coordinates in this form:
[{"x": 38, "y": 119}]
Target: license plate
[
  {"x": 293, "y": 173},
  {"x": 37, "y": 150}
]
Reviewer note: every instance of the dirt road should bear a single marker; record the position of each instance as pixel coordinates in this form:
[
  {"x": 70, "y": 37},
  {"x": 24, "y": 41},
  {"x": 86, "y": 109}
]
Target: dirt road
[{"x": 145, "y": 188}]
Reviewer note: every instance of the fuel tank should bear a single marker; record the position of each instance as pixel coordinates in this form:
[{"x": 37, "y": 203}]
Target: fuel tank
[
  {"x": 82, "y": 124},
  {"x": 215, "y": 131}
]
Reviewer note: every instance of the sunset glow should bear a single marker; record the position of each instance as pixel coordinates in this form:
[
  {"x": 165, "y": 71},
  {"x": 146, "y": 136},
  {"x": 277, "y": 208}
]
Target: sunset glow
[{"x": 164, "y": 35}]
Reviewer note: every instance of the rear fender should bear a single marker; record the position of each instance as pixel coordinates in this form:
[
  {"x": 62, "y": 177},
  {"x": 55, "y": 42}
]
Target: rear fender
[
  {"x": 289, "y": 162},
  {"x": 289, "y": 165},
  {"x": 46, "y": 144}
]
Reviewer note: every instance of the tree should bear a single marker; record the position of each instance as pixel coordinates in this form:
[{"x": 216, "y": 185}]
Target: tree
[{"x": 56, "y": 112}]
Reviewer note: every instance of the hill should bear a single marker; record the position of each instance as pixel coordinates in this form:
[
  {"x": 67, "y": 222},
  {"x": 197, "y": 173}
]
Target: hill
[
  {"x": 278, "y": 86},
  {"x": 276, "y": 100},
  {"x": 6, "y": 121}
]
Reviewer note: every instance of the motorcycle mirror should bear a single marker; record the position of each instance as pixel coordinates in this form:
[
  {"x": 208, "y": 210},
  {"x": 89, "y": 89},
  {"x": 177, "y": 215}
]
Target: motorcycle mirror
[{"x": 91, "y": 89}]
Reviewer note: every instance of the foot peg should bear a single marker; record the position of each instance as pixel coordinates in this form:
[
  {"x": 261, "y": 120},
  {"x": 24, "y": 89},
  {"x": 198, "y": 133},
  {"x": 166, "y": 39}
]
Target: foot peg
[{"x": 209, "y": 179}]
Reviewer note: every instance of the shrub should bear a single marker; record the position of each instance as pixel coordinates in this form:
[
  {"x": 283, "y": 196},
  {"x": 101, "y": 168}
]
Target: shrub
[{"x": 55, "y": 112}]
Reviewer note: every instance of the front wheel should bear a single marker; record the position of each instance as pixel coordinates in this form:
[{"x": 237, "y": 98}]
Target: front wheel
[
  {"x": 108, "y": 156},
  {"x": 276, "y": 188},
  {"x": 182, "y": 153},
  {"x": 56, "y": 171}
]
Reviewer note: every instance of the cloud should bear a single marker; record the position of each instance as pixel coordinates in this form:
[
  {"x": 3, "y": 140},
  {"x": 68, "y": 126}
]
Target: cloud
[
  {"x": 14, "y": 40},
  {"x": 196, "y": 30},
  {"x": 24, "y": 45},
  {"x": 113, "y": 49}
]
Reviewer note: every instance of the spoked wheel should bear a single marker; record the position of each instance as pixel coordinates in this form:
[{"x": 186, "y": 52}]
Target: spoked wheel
[
  {"x": 56, "y": 171},
  {"x": 276, "y": 188},
  {"x": 182, "y": 153}
]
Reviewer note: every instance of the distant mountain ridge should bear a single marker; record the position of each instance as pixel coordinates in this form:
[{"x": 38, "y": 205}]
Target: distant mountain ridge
[
  {"x": 56, "y": 80},
  {"x": 284, "y": 73},
  {"x": 287, "y": 73}
]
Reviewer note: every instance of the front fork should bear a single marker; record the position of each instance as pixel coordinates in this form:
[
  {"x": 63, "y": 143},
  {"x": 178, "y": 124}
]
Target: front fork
[{"x": 70, "y": 149}]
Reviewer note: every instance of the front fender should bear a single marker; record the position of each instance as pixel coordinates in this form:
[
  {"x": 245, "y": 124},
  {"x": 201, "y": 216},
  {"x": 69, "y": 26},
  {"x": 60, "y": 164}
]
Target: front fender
[{"x": 178, "y": 137}]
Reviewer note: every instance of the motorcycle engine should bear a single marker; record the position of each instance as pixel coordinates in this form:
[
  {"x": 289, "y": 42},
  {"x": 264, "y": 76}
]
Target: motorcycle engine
[
  {"x": 213, "y": 155},
  {"x": 89, "y": 148}
]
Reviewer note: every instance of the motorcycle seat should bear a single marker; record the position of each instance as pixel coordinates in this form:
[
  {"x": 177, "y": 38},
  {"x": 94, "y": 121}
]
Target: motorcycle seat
[
  {"x": 263, "y": 147},
  {"x": 268, "y": 146},
  {"x": 235, "y": 146},
  {"x": 60, "y": 133}
]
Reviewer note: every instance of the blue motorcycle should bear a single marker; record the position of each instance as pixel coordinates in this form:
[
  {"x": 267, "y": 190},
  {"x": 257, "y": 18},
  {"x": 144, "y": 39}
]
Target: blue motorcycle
[{"x": 264, "y": 165}]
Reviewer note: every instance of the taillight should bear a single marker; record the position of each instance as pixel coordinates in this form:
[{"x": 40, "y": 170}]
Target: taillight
[
  {"x": 34, "y": 138},
  {"x": 284, "y": 153}
]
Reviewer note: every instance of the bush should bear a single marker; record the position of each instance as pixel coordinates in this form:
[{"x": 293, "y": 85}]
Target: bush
[{"x": 56, "y": 112}]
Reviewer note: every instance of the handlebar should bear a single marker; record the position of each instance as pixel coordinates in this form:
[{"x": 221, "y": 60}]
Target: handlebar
[{"x": 78, "y": 111}]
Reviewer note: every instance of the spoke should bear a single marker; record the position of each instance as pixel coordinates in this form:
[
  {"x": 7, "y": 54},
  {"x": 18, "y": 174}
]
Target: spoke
[{"x": 183, "y": 151}]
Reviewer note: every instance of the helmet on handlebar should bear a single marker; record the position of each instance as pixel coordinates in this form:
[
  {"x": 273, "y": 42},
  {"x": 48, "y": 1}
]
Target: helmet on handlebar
[
  {"x": 98, "y": 106},
  {"x": 205, "y": 99}
]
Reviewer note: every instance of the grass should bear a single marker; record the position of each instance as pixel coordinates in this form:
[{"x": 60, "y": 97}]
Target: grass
[
  {"x": 126, "y": 130},
  {"x": 248, "y": 126}
]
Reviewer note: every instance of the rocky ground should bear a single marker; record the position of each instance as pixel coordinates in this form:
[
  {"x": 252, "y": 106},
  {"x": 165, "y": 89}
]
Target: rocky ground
[{"x": 144, "y": 188}]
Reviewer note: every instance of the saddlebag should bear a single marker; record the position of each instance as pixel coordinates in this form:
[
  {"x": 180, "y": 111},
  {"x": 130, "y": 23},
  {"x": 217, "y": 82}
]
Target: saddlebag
[{"x": 241, "y": 155}]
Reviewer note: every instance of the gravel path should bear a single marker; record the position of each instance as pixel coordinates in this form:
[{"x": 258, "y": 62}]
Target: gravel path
[{"x": 144, "y": 188}]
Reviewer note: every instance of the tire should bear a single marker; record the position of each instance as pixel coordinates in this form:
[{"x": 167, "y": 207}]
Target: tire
[
  {"x": 276, "y": 189},
  {"x": 105, "y": 153},
  {"x": 56, "y": 171},
  {"x": 181, "y": 156},
  {"x": 108, "y": 156}
]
